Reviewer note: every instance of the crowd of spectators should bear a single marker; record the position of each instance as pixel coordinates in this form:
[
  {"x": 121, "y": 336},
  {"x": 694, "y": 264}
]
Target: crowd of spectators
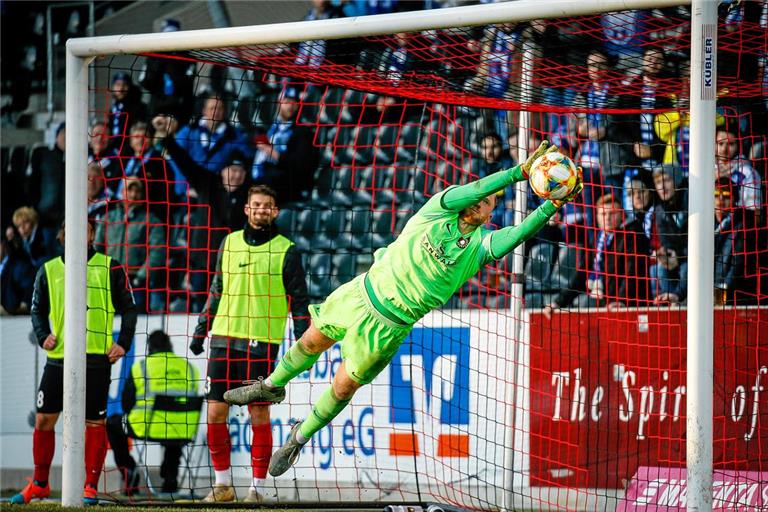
[{"x": 167, "y": 184}]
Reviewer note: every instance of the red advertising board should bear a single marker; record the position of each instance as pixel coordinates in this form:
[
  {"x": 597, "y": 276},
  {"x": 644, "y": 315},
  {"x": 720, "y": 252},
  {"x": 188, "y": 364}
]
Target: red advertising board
[{"x": 607, "y": 394}]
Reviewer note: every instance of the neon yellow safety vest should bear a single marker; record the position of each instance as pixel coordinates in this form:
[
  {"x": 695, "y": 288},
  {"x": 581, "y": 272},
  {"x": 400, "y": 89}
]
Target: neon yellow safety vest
[
  {"x": 164, "y": 373},
  {"x": 253, "y": 303},
  {"x": 100, "y": 311}
]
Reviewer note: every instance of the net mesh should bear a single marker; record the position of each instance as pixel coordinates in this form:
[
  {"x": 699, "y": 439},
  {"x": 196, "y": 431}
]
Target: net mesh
[{"x": 578, "y": 402}]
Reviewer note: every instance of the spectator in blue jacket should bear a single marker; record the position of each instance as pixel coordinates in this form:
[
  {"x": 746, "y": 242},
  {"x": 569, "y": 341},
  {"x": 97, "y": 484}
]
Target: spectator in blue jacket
[
  {"x": 286, "y": 157},
  {"x": 211, "y": 140},
  {"x": 36, "y": 241}
]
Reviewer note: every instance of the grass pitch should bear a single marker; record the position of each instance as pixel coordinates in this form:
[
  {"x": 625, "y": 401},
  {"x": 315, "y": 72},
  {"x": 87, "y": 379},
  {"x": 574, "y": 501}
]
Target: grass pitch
[{"x": 56, "y": 507}]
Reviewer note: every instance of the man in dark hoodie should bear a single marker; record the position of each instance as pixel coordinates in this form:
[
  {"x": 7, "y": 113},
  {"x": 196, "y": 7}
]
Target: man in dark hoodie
[
  {"x": 259, "y": 279},
  {"x": 108, "y": 293},
  {"x": 219, "y": 202}
]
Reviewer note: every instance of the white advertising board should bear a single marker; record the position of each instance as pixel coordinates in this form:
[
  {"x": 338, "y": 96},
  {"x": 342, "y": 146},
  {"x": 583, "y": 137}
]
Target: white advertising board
[{"x": 436, "y": 418}]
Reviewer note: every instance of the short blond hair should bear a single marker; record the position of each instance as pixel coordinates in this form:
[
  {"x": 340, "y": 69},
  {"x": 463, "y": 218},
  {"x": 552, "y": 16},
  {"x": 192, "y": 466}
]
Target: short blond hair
[{"x": 25, "y": 213}]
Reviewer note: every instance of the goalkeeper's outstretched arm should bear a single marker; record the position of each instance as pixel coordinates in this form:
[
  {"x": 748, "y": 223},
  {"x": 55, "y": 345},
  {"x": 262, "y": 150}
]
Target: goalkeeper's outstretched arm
[
  {"x": 505, "y": 240},
  {"x": 464, "y": 196}
]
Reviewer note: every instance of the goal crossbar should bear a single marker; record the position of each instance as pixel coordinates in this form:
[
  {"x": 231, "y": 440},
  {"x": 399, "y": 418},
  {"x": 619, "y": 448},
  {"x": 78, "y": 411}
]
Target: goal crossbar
[{"x": 341, "y": 28}]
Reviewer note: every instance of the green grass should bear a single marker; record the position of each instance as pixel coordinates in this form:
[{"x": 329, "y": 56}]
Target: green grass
[
  {"x": 51, "y": 507},
  {"x": 169, "y": 507}
]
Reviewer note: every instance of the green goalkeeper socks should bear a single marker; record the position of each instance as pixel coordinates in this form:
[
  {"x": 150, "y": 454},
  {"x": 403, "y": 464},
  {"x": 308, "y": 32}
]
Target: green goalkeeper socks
[
  {"x": 327, "y": 407},
  {"x": 294, "y": 362}
]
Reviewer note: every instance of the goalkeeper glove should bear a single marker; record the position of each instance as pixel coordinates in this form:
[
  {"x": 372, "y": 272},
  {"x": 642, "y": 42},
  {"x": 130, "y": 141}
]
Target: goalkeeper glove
[
  {"x": 196, "y": 346},
  {"x": 574, "y": 193},
  {"x": 543, "y": 148}
]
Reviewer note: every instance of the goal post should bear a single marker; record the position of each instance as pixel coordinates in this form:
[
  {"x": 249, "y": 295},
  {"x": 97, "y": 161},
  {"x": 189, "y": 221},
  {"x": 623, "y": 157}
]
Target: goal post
[
  {"x": 76, "y": 254},
  {"x": 81, "y": 51},
  {"x": 700, "y": 377}
]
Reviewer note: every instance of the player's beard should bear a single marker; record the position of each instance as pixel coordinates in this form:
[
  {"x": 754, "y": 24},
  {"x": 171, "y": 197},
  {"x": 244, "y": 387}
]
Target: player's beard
[
  {"x": 261, "y": 222},
  {"x": 472, "y": 218}
]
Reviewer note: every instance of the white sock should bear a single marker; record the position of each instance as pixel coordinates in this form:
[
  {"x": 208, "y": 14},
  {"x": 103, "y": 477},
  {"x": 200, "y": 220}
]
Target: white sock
[
  {"x": 268, "y": 383},
  {"x": 223, "y": 477},
  {"x": 258, "y": 485},
  {"x": 300, "y": 438}
]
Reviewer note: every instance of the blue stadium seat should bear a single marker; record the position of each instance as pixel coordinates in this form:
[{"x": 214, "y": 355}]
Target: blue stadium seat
[
  {"x": 318, "y": 268},
  {"x": 358, "y": 227},
  {"x": 333, "y": 223},
  {"x": 344, "y": 268},
  {"x": 310, "y": 104},
  {"x": 285, "y": 221},
  {"x": 330, "y": 107},
  {"x": 323, "y": 185},
  {"x": 408, "y": 143},
  {"x": 306, "y": 227}
]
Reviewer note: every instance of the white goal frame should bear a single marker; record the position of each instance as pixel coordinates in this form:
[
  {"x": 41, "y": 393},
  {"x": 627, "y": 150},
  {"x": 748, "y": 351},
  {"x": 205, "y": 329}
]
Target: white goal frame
[{"x": 81, "y": 51}]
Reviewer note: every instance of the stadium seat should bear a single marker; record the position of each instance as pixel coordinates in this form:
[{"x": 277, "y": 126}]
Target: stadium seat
[
  {"x": 332, "y": 225},
  {"x": 382, "y": 230},
  {"x": 310, "y": 104},
  {"x": 360, "y": 150},
  {"x": 408, "y": 143},
  {"x": 424, "y": 182},
  {"x": 357, "y": 228},
  {"x": 322, "y": 183},
  {"x": 330, "y": 107},
  {"x": 402, "y": 177},
  {"x": 344, "y": 268},
  {"x": 538, "y": 266},
  {"x": 285, "y": 221},
  {"x": 318, "y": 269},
  {"x": 306, "y": 227}
]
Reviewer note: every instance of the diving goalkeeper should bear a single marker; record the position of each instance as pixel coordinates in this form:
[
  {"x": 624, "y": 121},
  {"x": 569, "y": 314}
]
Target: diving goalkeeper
[{"x": 439, "y": 249}]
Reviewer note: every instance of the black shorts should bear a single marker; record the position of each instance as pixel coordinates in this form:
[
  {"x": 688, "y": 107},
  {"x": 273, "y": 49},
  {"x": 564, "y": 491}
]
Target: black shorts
[
  {"x": 229, "y": 368},
  {"x": 50, "y": 394}
]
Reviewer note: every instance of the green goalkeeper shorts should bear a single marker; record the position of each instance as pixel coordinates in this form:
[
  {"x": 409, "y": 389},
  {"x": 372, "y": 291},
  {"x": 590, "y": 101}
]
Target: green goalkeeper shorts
[{"x": 369, "y": 340}]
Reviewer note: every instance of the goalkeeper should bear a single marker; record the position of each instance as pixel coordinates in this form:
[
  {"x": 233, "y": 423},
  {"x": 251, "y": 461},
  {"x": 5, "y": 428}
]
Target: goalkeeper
[{"x": 439, "y": 249}]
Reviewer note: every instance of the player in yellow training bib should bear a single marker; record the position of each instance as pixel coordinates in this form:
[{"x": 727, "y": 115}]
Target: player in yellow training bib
[{"x": 441, "y": 247}]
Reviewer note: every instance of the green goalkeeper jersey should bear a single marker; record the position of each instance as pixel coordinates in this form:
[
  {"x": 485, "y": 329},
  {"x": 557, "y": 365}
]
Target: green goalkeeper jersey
[{"x": 430, "y": 260}]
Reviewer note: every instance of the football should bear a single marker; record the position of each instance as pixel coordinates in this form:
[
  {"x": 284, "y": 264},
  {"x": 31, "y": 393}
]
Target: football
[{"x": 553, "y": 176}]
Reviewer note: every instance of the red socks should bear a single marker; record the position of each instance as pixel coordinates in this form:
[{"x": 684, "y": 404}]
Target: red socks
[
  {"x": 43, "y": 446},
  {"x": 95, "y": 452},
  {"x": 261, "y": 449},
  {"x": 219, "y": 445}
]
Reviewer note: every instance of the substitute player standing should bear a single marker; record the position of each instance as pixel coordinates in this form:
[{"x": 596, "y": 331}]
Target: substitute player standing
[
  {"x": 258, "y": 278},
  {"x": 439, "y": 249},
  {"x": 107, "y": 293}
]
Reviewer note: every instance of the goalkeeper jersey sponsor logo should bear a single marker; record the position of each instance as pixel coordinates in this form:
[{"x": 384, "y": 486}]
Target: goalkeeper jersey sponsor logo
[{"x": 437, "y": 252}]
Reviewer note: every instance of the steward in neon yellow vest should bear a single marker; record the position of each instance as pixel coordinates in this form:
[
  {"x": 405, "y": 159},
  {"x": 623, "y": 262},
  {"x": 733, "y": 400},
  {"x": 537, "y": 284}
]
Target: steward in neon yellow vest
[
  {"x": 162, "y": 373},
  {"x": 258, "y": 279},
  {"x": 107, "y": 293}
]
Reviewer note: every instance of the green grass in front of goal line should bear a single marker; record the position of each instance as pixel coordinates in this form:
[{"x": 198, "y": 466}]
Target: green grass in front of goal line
[{"x": 109, "y": 507}]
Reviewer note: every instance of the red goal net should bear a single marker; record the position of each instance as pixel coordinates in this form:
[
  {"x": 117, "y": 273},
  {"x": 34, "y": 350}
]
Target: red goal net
[{"x": 560, "y": 388}]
